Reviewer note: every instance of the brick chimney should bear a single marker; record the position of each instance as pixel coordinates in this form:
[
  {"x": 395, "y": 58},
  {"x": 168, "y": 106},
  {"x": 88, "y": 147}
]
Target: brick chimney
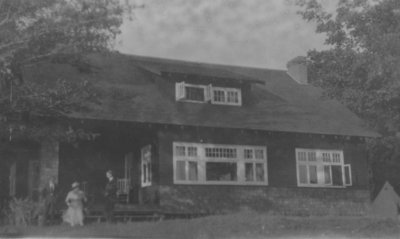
[{"x": 297, "y": 69}]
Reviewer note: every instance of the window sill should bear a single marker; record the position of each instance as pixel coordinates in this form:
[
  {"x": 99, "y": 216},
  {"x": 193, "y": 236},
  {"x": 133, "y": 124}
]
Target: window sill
[
  {"x": 221, "y": 183},
  {"x": 319, "y": 186}
]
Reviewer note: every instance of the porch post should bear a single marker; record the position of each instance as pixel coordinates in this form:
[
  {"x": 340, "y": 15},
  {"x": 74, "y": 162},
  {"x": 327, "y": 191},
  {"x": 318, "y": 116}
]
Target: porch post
[{"x": 49, "y": 159}]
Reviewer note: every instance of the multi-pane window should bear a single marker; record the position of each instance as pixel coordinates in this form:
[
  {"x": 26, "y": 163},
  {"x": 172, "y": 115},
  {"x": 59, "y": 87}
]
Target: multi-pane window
[
  {"x": 192, "y": 151},
  {"x": 219, "y": 164},
  {"x": 191, "y": 92},
  {"x": 220, "y": 152},
  {"x": 180, "y": 150},
  {"x": 219, "y": 95},
  {"x": 229, "y": 96},
  {"x": 322, "y": 168},
  {"x": 254, "y": 168},
  {"x": 233, "y": 96},
  {"x": 208, "y": 93}
]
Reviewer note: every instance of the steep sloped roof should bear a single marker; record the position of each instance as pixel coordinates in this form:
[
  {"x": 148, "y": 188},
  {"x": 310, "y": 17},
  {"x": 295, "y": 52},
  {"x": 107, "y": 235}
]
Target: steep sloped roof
[
  {"x": 191, "y": 68},
  {"x": 278, "y": 104}
]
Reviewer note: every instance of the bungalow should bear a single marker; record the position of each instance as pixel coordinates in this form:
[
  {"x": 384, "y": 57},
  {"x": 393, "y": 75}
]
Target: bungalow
[{"x": 198, "y": 137}]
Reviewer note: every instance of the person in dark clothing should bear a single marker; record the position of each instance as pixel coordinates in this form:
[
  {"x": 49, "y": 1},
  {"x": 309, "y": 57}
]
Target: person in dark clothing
[
  {"x": 110, "y": 194},
  {"x": 49, "y": 195}
]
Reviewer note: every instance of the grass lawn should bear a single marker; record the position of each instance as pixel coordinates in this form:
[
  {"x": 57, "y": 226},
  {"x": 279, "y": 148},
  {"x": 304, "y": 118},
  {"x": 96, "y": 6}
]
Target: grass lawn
[{"x": 239, "y": 225}]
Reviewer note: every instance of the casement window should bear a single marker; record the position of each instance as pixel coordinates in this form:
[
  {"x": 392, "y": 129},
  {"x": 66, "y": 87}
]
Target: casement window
[
  {"x": 322, "y": 168},
  {"x": 207, "y": 93},
  {"x": 192, "y": 93},
  {"x": 226, "y": 96},
  {"x": 146, "y": 171},
  {"x": 219, "y": 164}
]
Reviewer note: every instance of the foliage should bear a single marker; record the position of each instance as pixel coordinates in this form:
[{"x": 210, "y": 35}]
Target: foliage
[
  {"x": 24, "y": 212},
  {"x": 33, "y": 31},
  {"x": 361, "y": 69}
]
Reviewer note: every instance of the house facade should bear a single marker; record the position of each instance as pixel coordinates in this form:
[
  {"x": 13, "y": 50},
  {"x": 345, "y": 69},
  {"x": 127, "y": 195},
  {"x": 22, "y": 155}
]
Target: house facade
[{"x": 197, "y": 137}]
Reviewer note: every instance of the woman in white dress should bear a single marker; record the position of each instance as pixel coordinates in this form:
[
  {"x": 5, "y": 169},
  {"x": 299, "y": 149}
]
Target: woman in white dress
[{"x": 74, "y": 200}]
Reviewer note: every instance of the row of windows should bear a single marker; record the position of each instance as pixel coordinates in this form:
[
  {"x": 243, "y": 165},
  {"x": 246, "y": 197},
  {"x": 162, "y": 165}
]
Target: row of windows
[
  {"x": 215, "y": 151},
  {"x": 208, "y": 93},
  {"x": 319, "y": 156},
  {"x": 232, "y": 164},
  {"x": 219, "y": 164},
  {"x": 321, "y": 168}
]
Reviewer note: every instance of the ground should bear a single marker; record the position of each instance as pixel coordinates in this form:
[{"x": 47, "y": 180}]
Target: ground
[{"x": 240, "y": 225}]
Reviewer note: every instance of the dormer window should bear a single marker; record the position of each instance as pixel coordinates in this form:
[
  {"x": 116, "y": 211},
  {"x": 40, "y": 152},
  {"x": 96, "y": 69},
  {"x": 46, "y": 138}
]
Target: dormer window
[
  {"x": 195, "y": 93},
  {"x": 192, "y": 93},
  {"x": 207, "y": 93},
  {"x": 226, "y": 96}
]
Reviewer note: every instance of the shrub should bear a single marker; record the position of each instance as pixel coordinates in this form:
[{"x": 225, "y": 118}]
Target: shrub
[{"x": 24, "y": 212}]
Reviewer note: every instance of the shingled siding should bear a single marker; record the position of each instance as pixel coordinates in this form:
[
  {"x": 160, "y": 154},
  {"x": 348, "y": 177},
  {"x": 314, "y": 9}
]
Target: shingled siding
[
  {"x": 282, "y": 194},
  {"x": 279, "y": 201}
]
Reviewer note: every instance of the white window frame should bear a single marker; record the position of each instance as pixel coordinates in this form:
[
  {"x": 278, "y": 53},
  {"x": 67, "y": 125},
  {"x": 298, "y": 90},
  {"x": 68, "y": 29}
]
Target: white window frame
[
  {"x": 321, "y": 162},
  {"x": 180, "y": 93},
  {"x": 146, "y": 166},
  {"x": 226, "y": 90},
  {"x": 348, "y": 167},
  {"x": 201, "y": 160}
]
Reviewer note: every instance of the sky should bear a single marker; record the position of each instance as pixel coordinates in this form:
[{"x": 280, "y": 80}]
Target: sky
[{"x": 256, "y": 33}]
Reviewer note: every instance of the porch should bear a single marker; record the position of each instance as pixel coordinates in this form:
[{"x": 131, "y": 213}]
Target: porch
[{"x": 127, "y": 150}]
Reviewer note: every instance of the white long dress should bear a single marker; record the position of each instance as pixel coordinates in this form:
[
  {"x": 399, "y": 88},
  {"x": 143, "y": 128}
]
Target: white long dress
[{"x": 74, "y": 213}]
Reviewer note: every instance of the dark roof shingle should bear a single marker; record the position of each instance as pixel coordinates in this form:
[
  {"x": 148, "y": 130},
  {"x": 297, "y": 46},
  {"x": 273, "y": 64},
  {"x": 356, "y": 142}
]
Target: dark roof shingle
[{"x": 279, "y": 104}]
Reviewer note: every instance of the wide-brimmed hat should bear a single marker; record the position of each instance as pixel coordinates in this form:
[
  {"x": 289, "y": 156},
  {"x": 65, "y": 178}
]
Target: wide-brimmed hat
[{"x": 75, "y": 185}]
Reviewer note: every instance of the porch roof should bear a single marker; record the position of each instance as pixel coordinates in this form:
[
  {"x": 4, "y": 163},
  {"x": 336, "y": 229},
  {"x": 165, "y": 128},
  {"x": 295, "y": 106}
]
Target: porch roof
[{"x": 134, "y": 91}]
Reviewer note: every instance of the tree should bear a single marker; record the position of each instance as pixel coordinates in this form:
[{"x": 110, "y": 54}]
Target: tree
[
  {"x": 362, "y": 68},
  {"x": 55, "y": 30}
]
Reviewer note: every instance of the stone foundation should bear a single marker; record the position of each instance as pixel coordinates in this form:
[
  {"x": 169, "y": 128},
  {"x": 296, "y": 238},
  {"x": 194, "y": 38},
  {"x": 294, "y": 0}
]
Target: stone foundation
[{"x": 280, "y": 201}]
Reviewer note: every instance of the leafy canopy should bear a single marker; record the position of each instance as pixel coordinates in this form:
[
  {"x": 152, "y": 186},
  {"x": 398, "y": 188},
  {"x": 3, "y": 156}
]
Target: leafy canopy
[
  {"x": 32, "y": 31},
  {"x": 362, "y": 67},
  {"x": 362, "y": 70}
]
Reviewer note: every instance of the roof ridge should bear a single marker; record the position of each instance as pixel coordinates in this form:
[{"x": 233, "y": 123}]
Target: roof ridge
[{"x": 189, "y": 62}]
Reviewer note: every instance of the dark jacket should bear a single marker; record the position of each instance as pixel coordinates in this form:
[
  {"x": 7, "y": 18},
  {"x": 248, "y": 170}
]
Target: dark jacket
[{"x": 110, "y": 191}]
